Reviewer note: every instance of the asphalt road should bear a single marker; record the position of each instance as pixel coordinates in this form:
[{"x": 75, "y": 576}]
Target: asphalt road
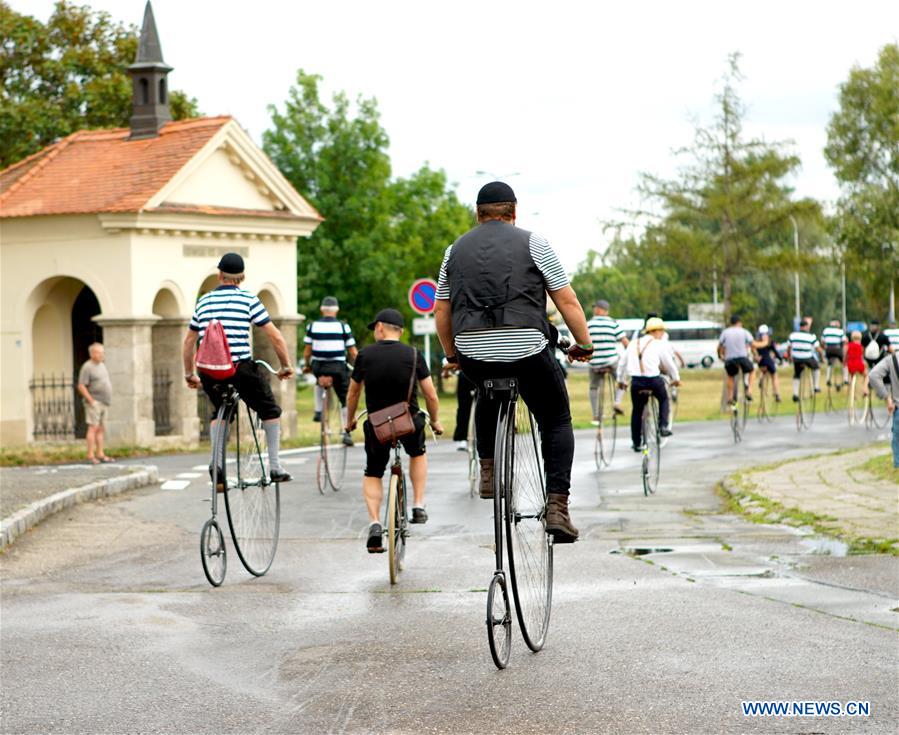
[{"x": 108, "y": 625}]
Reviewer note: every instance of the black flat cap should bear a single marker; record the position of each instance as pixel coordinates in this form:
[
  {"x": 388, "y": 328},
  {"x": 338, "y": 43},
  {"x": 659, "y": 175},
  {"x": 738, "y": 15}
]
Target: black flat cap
[
  {"x": 330, "y": 302},
  {"x": 231, "y": 263},
  {"x": 388, "y": 316},
  {"x": 495, "y": 192}
]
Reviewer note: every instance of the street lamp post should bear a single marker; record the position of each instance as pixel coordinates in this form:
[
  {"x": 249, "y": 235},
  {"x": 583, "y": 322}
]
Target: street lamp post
[{"x": 798, "y": 315}]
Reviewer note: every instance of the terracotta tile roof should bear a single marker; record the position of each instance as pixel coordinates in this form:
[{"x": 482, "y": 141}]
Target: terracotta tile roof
[{"x": 101, "y": 170}]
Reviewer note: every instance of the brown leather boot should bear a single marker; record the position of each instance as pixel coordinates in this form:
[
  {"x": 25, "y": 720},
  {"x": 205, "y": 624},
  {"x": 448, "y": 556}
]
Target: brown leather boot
[
  {"x": 558, "y": 522},
  {"x": 486, "y": 488}
]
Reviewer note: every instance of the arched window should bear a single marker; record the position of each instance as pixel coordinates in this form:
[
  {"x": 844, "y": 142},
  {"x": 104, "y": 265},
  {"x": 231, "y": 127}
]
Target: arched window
[
  {"x": 144, "y": 91},
  {"x": 162, "y": 99}
]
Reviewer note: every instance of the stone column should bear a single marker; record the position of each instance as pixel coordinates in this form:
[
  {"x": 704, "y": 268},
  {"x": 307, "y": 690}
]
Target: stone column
[
  {"x": 129, "y": 359},
  {"x": 285, "y": 390},
  {"x": 168, "y": 337}
]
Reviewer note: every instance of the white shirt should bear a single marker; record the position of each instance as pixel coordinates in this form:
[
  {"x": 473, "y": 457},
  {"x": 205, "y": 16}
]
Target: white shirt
[{"x": 656, "y": 357}]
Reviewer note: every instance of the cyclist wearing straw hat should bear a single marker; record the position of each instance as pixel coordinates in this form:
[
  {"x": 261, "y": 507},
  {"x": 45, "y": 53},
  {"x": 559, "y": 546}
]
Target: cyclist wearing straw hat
[{"x": 644, "y": 362}]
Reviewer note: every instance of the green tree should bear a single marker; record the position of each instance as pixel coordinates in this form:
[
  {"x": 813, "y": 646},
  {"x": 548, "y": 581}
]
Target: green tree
[
  {"x": 379, "y": 233},
  {"x": 863, "y": 150},
  {"x": 729, "y": 207},
  {"x": 65, "y": 75}
]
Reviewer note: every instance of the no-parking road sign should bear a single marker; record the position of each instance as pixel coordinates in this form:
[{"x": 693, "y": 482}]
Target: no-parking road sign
[{"x": 423, "y": 296}]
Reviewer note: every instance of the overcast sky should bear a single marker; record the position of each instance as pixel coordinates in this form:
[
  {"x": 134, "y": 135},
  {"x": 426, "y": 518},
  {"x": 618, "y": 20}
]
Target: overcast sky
[{"x": 574, "y": 98}]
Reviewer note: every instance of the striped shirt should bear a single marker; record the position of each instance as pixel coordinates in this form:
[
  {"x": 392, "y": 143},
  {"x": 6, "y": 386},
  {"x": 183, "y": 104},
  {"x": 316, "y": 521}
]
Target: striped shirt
[
  {"x": 833, "y": 336},
  {"x": 605, "y": 333},
  {"x": 892, "y": 335},
  {"x": 329, "y": 338},
  {"x": 802, "y": 346},
  {"x": 508, "y": 344},
  {"x": 236, "y": 309}
]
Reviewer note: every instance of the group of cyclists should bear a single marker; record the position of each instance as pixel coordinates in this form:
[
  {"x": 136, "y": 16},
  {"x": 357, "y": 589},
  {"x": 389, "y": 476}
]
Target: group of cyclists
[{"x": 491, "y": 320}]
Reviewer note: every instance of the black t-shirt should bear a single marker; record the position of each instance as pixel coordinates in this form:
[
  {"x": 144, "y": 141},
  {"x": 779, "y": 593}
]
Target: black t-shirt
[
  {"x": 385, "y": 368},
  {"x": 881, "y": 340}
]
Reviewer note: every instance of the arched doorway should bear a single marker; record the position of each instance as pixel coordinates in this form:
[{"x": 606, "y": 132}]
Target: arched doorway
[
  {"x": 62, "y": 329},
  {"x": 167, "y": 334}
]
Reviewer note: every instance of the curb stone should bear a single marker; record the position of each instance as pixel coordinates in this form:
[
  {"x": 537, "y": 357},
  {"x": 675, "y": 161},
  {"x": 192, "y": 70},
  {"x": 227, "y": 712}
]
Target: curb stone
[{"x": 20, "y": 521}]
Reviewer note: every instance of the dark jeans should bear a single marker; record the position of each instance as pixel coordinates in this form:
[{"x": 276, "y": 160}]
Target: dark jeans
[
  {"x": 542, "y": 386},
  {"x": 338, "y": 372},
  {"x": 253, "y": 386},
  {"x": 464, "y": 388},
  {"x": 639, "y": 401}
]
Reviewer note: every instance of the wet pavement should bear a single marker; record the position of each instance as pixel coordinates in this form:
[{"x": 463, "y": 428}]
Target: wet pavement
[
  {"x": 109, "y": 625},
  {"x": 21, "y": 486}
]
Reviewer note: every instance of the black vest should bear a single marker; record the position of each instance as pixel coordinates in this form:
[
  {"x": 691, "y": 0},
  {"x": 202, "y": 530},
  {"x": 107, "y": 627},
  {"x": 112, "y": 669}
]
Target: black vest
[{"x": 494, "y": 281}]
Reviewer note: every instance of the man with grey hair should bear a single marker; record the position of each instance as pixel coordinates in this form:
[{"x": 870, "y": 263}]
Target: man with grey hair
[
  {"x": 95, "y": 388},
  {"x": 605, "y": 334}
]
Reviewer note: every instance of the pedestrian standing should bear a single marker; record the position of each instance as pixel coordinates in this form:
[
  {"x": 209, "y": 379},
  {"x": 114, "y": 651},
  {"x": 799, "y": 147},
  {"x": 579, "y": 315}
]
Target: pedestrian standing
[{"x": 95, "y": 388}]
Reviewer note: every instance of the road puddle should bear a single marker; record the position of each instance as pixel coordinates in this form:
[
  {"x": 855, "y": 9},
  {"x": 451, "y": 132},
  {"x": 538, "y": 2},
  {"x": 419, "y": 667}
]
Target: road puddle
[{"x": 823, "y": 546}]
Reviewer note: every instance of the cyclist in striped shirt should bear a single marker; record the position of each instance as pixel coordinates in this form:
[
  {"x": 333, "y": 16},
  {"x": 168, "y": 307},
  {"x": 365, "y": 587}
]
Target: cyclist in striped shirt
[
  {"x": 605, "y": 334},
  {"x": 237, "y": 309},
  {"x": 835, "y": 340},
  {"x": 803, "y": 349},
  {"x": 327, "y": 346},
  {"x": 491, "y": 321}
]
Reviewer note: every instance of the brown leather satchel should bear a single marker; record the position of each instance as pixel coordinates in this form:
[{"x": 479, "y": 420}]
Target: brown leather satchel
[{"x": 395, "y": 421}]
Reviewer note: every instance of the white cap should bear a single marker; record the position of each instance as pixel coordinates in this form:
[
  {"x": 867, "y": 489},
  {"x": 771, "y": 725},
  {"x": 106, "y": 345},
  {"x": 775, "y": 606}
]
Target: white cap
[{"x": 763, "y": 329}]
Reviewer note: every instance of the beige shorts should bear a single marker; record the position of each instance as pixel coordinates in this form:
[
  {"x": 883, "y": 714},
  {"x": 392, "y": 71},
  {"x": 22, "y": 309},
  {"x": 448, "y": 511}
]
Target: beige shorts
[{"x": 95, "y": 415}]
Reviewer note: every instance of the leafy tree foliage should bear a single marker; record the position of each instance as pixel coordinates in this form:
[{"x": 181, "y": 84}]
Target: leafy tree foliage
[
  {"x": 379, "y": 233},
  {"x": 65, "y": 75},
  {"x": 863, "y": 150}
]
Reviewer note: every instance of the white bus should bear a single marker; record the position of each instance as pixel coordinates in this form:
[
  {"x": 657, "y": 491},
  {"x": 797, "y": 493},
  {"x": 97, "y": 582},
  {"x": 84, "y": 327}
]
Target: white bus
[{"x": 696, "y": 341}]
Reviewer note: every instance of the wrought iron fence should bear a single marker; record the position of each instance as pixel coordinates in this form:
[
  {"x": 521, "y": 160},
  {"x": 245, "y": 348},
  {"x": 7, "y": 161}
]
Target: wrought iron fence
[
  {"x": 204, "y": 412},
  {"x": 54, "y": 402},
  {"x": 162, "y": 412}
]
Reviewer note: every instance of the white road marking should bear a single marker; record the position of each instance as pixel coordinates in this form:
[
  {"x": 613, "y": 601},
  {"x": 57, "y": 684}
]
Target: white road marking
[
  {"x": 175, "y": 484},
  {"x": 190, "y": 475},
  {"x": 203, "y": 467}
]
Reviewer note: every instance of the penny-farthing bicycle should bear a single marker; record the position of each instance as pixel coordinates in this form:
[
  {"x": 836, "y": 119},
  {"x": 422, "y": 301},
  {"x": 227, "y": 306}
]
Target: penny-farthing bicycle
[
  {"x": 519, "y": 527},
  {"x": 252, "y": 500}
]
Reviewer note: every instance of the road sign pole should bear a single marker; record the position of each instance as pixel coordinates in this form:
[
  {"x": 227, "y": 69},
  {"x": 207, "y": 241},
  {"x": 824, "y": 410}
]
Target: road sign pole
[{"x": 428, "y": 347}]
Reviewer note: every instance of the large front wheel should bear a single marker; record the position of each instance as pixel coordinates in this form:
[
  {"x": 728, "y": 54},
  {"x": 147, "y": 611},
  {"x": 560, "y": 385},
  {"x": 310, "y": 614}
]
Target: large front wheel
[
  {"x": 253, "y": 502},
  {"x": 530, "y": 548},
  {"x": 653, "y": 451}
]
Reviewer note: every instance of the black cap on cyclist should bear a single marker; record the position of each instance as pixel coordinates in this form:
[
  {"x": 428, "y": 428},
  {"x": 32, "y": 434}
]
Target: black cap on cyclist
[
  {"x": 735, "y": 319},
  {"x": 496, "y": 192},
  {"x": 388, "y": 316},
  {"x": 330, "y": 302},
  {"x": 231, "y": 263}
]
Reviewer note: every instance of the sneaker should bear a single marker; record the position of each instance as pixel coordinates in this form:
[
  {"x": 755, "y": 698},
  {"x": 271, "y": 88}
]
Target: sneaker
[
  {"x": 828, "y": 384},
  {"x": 375, "y": 542},
  {"x": 595, "y": 422},
  {"x": 419, "y": 515},
  {"x": 777, "y": 397},
  {"x": 637, "y": 449},
  {"x": 665, "y": 432},
  {"x": 461, "y": 446},
  {"x": 795, "y": 399},
  {"x": 220, "y": 484},
  {"x": 749, "y": 396},
  {"x": 280, "y": 476},
  {"x": 558, "y": 522},
  {"x": 317, "y": 417},
  {"x": 619, "y": 411},
  {"x": 817, "y": 390},
  {"x": 347, "y": 439},
  {"x": 838, "y": 386},
  {"x": 486, "y": 487}
]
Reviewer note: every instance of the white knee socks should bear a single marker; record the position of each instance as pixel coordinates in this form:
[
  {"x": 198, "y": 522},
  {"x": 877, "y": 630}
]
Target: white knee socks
[{"x": 273, "y": 439}]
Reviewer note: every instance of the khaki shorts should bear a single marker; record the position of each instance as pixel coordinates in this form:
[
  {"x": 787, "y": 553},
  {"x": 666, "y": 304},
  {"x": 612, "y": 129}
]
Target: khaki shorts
[{"x": 95, "y": 415}]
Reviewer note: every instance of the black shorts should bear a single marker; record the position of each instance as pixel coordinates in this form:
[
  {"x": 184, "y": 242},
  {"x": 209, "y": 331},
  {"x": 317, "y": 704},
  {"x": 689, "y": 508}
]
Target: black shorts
[
  {"x": 736, "y": 364},
  {"x": 252, "y": 385},
  {"x": 767, "y": 363},
  {"x": 338, "y": 371},
  {"x": 377, "y": 455},
  {"x": 800, "y": 365},
  {"x": 833, "y": 354}
]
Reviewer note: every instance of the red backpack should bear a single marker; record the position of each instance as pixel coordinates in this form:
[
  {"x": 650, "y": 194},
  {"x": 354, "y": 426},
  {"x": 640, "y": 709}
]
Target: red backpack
[{"x": 214, "y": 355}]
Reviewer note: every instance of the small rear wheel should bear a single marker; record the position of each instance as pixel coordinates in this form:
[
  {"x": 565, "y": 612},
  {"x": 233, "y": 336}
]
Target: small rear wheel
[
  {"x": 212, "y": 552},
  {"x": 499, "y": 621}
]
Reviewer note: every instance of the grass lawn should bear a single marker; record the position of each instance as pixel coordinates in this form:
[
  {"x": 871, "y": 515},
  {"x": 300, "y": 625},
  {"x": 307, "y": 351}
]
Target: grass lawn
[{"x": 699, "y": 400}]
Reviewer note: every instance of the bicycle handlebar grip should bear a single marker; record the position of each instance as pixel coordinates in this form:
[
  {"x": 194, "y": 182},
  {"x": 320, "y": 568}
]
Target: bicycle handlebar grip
[{"x": 564, "y": 344}]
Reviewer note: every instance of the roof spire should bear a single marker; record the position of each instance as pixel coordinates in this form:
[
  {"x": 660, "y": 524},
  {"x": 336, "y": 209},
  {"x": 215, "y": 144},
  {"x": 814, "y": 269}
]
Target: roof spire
[
  {"x": 150, "y": 98},
  {"x": 149, "y": 49}
]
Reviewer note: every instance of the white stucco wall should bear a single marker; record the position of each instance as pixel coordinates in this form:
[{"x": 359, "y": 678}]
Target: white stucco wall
[{"x": 220, "y": 182}]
